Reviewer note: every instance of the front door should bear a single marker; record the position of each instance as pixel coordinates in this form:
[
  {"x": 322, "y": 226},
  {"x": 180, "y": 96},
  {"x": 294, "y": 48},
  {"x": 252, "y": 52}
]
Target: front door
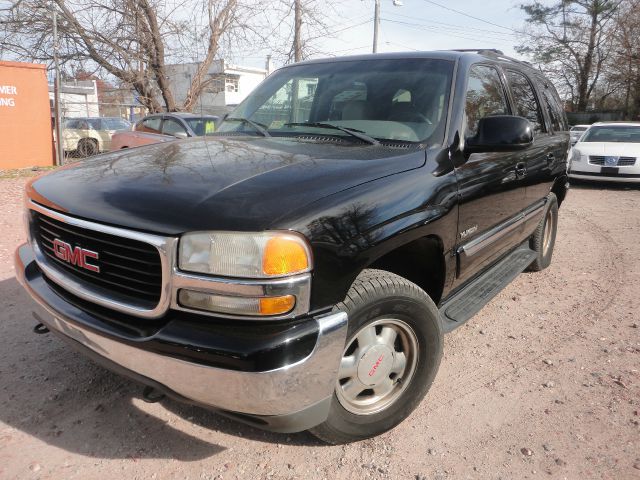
[{"x": 490, "y": 185}]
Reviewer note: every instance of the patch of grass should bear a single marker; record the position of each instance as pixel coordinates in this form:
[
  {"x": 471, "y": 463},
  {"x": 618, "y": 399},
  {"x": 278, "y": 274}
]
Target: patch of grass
[{"x": 24, "y": 172}]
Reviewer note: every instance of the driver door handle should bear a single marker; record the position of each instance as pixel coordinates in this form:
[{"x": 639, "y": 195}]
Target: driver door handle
[{"x": 521, "y": 169}]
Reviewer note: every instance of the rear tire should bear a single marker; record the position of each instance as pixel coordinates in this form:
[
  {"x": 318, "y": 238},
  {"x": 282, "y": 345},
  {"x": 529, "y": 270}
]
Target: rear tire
[
  {"x": 393, "y": 351},
  {"x": 544, "y": 239},
  {"x": 87, "y": 147}
]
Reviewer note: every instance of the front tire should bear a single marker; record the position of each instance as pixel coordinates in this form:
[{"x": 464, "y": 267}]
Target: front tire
[
  {"x": 393, "y": 351},
  {"x": 87, "y": 147}
]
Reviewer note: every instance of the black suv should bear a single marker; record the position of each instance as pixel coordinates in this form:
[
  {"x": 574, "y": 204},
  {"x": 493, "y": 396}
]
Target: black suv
[{"x": 298, "y": 269}]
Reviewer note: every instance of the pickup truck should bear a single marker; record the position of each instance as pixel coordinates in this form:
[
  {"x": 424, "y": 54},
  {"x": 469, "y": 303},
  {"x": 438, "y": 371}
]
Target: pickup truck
[
  {"x": 164, "y": 127},
  {"x": 298, "y": 269}
]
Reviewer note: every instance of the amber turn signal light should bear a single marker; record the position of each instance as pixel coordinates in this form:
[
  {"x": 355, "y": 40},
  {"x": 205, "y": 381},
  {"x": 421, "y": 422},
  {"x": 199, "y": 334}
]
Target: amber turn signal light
[
  {"x": 277, "y": 305},
  {"x": 283, "y": 256}
]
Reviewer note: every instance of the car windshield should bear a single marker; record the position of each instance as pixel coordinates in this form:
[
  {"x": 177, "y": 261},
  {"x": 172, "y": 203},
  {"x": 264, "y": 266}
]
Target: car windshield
[
  {"x": 578, "y": 129},
  {"x": 201, "y": 125},
  {"x": 618, "y": 134},
  {"x": 390, "y": 99}
]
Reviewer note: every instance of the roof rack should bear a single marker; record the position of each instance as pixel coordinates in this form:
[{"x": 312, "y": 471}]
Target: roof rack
[{"x": 493, "y": 51}]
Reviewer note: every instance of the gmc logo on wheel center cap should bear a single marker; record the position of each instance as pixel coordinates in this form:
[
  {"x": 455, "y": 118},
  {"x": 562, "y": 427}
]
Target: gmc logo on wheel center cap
[{"x": 77, "y": 256}]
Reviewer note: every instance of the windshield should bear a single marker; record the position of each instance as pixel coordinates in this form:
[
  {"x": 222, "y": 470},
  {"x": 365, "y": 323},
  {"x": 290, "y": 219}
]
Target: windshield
[
  {"x": 201, "y": 126},
  {"x": 578, "y": 129},
  {"x": 619, "y": 134},
  {"x": 403, "y": 100}
]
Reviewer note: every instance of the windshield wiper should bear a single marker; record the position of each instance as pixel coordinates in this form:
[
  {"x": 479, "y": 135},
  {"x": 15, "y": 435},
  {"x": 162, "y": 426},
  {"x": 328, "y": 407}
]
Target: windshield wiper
[
  {"x": 262, "y": 129},
  {"x": 351, "y": 131}
]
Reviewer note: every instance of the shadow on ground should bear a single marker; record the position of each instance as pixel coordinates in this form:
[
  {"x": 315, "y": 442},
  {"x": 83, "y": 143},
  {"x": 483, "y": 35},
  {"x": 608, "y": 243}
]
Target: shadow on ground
[
  {"x": 58, "y": 396},
  {"x": 602, "y": 185}
]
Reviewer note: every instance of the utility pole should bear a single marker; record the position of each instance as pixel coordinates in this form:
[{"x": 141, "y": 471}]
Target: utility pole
[
  {"x": 297, "y": 40},
  {"x": 56, "y": 89},
  {"x": 376, "y": 26}
]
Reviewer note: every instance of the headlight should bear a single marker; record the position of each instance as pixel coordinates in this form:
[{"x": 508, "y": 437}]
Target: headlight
[
  {"x": 245, "y": 255},
  {"x": 575, "y": 155}
]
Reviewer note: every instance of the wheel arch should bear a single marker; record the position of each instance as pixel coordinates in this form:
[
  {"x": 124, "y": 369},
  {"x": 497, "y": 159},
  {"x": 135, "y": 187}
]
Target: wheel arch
[
  {"x": 421, "y": 261},
  {"x": 560, "y": 188}
]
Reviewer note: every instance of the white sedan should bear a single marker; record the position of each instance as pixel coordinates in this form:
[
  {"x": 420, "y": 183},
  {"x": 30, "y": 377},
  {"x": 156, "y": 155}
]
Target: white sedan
[{"x": 607, "y": 151}]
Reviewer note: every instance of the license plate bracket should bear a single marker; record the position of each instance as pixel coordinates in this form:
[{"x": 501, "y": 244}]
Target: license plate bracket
[{"x": 609, "y": 170}]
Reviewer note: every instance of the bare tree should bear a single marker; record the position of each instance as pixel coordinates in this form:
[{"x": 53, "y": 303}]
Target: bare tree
[
  {"x": 624, "y": 67},
  {"x": 571, "y": 41},
  {"x": 131, "y": 40},
  {"x": 294, "y": 26}
]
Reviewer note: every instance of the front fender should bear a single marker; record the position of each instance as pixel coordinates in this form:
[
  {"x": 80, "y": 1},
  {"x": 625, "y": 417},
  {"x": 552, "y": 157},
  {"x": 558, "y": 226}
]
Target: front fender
[{"x": 351, "y": 229}]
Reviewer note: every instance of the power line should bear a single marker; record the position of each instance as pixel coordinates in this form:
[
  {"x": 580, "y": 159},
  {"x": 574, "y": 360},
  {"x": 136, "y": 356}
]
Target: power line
[
  {"x": 450, "y": 31},
  {"x": 459, "y": 27},
  {"x": 467, "y": 15},
  {"x": 431, "y": 29}
]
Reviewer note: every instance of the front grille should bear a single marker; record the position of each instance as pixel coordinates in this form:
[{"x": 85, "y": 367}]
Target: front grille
[
  {"x": 622, "y": 161},
  {"x": 128, "y": 268}
]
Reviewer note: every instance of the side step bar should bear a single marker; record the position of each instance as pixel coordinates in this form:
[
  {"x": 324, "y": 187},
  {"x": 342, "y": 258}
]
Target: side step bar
[{"x": 465, "y": 303}]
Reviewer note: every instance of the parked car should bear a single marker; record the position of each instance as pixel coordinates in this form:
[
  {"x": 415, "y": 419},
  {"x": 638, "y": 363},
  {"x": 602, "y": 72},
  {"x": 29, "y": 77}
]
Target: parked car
[
  {"x": 88, "y": 136},
  {"x": 608, "y": 151},
  {"x": 165, "y": 127},
  {"x": 298, "y": 269},
  {"x": 576, "y": 132}
]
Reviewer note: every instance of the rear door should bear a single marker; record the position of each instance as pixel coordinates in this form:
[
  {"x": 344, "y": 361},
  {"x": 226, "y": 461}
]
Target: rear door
[
  {"x": 539, "y": 158},
  {"x": 490, "y": 187}
]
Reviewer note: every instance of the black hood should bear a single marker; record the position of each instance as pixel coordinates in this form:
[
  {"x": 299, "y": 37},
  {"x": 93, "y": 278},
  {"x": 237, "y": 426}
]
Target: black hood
[{"x": 219, "y": 183}]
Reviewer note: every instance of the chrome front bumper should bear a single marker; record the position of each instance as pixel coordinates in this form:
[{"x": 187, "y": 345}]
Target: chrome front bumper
[{"x": 288, "y": 391}]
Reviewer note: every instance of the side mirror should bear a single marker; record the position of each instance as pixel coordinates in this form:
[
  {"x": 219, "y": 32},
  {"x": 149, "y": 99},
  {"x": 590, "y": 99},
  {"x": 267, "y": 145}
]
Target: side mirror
[
  {"x": 500, "y": 133},
  {"x": 181, "y": 135}
]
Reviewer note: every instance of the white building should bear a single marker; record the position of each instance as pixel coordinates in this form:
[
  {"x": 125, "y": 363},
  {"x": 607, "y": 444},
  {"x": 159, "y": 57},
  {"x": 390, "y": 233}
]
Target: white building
[
  {"x": 228, "y": 85},
  {"x": 77, "y": 99}
]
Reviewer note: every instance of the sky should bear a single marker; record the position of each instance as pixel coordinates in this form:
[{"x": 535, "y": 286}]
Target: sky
[{"x": 417, "y": 25}]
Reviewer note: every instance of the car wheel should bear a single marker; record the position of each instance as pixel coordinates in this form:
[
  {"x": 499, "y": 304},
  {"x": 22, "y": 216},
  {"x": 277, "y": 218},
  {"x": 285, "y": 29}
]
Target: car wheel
[
  {"x": 393, "y": 351},
  {"x": 544, "y": 239},
  {"x": 87, "y": 147}
]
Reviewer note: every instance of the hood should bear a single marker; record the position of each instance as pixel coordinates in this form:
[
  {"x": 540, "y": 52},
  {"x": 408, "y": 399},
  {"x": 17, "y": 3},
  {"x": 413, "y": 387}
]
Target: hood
[
  {"x": 215, "y": 183},
  {"x": 615, "y": 149}
]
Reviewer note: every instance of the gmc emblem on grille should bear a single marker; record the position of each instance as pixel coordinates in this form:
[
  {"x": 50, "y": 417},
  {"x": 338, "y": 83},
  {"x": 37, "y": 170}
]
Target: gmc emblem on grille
[{"x": 77, "y": 256}]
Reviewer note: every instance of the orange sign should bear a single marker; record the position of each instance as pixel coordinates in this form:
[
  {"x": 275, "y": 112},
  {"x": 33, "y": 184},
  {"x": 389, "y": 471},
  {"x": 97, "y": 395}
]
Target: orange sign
[{"x": 25, "y": 116}]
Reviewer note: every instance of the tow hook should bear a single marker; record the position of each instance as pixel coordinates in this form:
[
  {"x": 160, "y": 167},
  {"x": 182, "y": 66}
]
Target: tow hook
[
  {"x": 151, "y": 395},
  {"x": 40, "y": 328}
]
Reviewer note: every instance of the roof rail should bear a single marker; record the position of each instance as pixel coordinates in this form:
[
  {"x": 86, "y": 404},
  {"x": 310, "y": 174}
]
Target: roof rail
[{"x": 494, "y": 51}]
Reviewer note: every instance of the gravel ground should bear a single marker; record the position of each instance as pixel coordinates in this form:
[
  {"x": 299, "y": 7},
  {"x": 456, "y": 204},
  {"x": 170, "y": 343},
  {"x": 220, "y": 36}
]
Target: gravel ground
[{"x": 543, "y": 383}]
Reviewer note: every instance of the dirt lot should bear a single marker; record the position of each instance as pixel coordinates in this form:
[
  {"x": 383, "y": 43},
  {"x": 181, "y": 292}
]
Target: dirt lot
[{"x": 543, "y": 383}]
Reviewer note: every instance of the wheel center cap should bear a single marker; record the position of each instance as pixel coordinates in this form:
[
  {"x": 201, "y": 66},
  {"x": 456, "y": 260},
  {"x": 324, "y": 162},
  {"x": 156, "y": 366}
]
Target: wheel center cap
[{"x": 375, "y": 365}]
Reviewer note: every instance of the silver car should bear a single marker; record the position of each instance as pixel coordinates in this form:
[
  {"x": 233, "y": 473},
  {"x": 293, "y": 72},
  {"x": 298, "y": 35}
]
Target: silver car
[{"x": 576, "y": 132}]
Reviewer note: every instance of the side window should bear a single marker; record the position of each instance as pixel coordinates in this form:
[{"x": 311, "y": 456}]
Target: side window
[
  {"x": 171, "y": 126},
  {"x": 485, "y": 97},
  {"x": 554, "y": 107},
  {"x": 524, "y": 97},
  {"x": 151, "y": 125},
  {"x": 401, "y": 96}
]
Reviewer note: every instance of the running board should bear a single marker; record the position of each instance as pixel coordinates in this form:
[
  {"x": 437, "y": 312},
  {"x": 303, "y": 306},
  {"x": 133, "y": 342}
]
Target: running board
[{"x": 467, "y": 302}]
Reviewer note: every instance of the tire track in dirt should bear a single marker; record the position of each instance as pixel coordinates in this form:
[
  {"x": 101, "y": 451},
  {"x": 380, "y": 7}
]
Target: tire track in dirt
[{"x": 467, "y": 383}]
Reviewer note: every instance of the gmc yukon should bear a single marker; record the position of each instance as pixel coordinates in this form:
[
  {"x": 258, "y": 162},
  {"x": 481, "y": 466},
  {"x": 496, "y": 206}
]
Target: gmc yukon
[{"x": 298, "y": 269}]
